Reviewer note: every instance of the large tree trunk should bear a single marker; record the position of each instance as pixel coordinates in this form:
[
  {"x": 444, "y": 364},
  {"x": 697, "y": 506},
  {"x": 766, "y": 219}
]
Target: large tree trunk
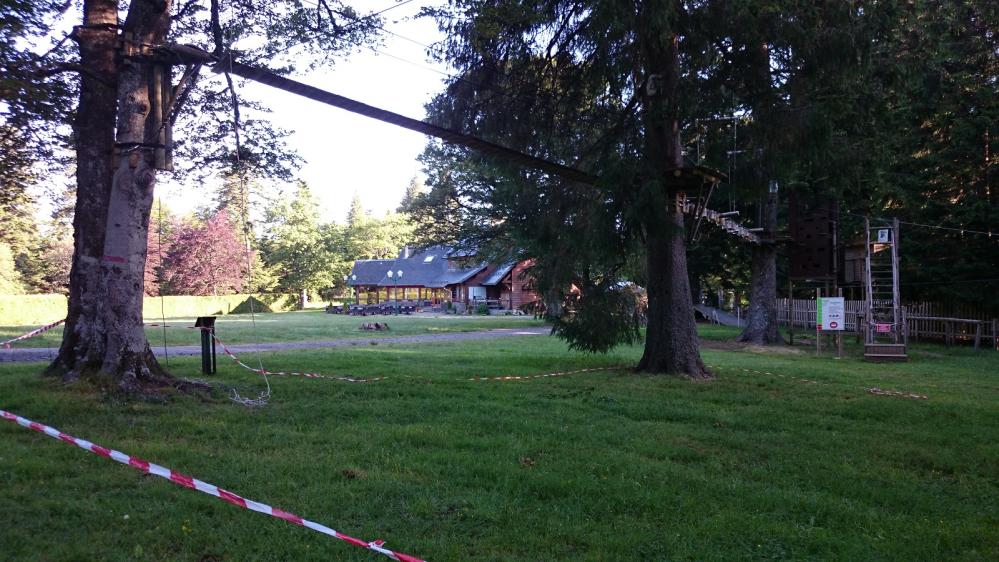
[
  {"x": 94, "y": 129},
  {"x": 761, "y": 319},
  {"x": 671, "y": 342},
  {"x": 109, "y": 338}
]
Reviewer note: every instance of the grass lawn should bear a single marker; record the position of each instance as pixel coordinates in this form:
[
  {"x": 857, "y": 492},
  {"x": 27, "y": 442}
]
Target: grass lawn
[
  {"x": 593, "y": 466},
  {"x": 306, "y": 325}
]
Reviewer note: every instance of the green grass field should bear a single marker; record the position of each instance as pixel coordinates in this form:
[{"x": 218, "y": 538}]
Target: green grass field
[
  {"x": 594, "y": 466},
  {"x": 307, "y": 325}
]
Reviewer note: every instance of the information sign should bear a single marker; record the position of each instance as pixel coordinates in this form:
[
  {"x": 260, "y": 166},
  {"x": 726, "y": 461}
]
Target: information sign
[{"x": 830, "y": 317}]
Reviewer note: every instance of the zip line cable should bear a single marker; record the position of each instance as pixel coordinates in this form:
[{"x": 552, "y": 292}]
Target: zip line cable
[{"x": 988, "y": 233}]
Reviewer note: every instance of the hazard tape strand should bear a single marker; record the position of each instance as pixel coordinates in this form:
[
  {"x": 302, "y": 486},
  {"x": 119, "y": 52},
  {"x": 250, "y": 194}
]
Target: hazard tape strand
[
  {"x": 546, "y": 375},
  {"x": 204, "y": 487},
  {"x": 874, "y": 390},
  {"x": 32, "y": 333},
  {"x": 236, "y": 360}
]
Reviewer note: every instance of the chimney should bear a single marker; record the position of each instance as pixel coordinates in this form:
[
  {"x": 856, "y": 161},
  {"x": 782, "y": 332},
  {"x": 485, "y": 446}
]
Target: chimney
[{"x": 404, "y": 254}]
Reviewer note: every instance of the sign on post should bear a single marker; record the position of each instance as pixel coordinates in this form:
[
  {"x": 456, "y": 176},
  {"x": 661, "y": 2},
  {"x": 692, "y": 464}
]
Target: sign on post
[{"x": 830, "y": 316}]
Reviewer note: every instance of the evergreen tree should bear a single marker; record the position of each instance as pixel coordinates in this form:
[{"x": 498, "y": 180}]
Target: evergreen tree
[
  {"x": 297, "y": 248},
  {"x": 607, "y": 88},
  {"x": 356, "y": 214},
  {"x": 413, "y": 190},
  {"x": 10, "y": 279}
]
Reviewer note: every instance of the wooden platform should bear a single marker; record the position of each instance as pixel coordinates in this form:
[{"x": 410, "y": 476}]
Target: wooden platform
[{"x": 885, "y": 352}]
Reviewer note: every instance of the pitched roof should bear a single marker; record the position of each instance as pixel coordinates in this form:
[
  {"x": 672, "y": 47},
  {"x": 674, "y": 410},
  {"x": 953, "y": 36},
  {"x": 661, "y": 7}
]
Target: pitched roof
[
  {"x": 499, "y": 273},
  {"x": 427, "y": 268},
  {"x": 369, "y": 272}
]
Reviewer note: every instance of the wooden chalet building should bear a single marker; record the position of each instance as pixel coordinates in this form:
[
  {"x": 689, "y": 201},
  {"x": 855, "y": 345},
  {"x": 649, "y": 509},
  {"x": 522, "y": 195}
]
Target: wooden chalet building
[{"x": 439, "y": 275}]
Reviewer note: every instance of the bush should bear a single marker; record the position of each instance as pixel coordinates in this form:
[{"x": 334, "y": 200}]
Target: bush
[{"x": 482, "y": 309}]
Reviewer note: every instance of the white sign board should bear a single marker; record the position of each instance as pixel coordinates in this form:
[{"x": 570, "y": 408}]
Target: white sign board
[
  {"x": 830, "y": 317},
  {"x": 884, "y": 236}
]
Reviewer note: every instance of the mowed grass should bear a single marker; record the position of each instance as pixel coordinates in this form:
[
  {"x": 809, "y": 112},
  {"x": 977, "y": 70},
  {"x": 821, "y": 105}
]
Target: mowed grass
[
  {"x": 305, "y": 325},
  {"x": 592, "y": 466}
]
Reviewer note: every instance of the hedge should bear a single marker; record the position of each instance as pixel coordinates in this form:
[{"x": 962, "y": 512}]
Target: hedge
[{"x": 31, "y": 310}]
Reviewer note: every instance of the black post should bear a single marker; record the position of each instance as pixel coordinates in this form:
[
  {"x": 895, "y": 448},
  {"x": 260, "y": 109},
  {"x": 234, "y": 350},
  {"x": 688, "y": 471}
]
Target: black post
[{"x": 207, "y": 325}]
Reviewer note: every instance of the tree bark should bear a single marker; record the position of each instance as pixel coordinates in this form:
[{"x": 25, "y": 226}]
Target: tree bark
[
  {"x": 761, "y": 318},
  {"x": 107, "y": 339},
  {"x": 94, "y": 128},
  {"x": 671, "y": 341}
]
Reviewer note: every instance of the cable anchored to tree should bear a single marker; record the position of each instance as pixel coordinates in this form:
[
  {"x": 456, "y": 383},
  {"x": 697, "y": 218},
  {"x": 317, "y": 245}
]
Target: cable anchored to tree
[{"x": 186, "y": 53}]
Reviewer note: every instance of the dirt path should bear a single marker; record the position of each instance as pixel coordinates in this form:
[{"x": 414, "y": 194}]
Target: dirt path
[{"x": 49, "y": 353}]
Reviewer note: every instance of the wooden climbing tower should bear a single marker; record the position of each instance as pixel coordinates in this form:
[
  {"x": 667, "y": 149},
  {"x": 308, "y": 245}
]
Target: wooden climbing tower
[{"x": 885, "y": 333}]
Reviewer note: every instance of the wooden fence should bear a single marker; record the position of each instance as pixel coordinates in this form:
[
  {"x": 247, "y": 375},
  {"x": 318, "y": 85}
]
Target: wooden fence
[{"x": 924, "y": 321}]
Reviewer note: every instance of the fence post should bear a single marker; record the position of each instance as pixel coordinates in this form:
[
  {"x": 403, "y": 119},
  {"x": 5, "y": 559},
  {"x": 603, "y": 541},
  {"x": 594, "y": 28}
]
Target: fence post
[
  {"x": 839, "y": 335},
  {"x": 995, "y": 334},
  {"x": 905, "y": 328},
  {"x": 948, "y": 333},
  {"x": 207, "y": 325},
  {"x": 790, "y": 313},
  {"x": 818, "y": 334},
  {"x": 978, "y": 334}
]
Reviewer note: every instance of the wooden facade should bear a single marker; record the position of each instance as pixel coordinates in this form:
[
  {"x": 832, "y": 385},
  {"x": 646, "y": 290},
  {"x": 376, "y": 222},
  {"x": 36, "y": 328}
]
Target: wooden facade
[{"x": 438, "y": 276}]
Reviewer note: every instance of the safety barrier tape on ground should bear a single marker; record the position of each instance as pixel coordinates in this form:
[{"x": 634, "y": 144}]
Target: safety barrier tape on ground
[
  {"x": 32, "y": 333},
  {"x": 874, "y": 390},
  {"x": 556, "y": 374},
  {"x": 882, "y": 392},
  {"x": 744, "y": 370},
  {"x": 204, "y": 487},
  {"x": 236, "y": 360}
]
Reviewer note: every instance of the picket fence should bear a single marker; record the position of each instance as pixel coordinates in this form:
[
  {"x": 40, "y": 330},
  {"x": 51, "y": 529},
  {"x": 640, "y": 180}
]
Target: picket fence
[{"x": 924, "y": 321}]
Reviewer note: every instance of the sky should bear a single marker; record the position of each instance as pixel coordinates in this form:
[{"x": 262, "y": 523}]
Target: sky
[{"x": 345, "y": 153}]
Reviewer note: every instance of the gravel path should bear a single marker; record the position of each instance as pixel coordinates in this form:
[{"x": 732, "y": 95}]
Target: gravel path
[{"x": 49, "y": 353}]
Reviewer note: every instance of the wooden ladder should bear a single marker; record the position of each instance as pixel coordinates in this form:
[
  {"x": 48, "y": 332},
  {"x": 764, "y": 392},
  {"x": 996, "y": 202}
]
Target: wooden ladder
[{"x": 885, "y": 326}]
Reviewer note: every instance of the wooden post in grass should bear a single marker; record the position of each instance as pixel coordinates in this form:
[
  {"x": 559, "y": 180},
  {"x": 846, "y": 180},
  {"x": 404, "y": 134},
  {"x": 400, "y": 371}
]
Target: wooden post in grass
[
  {"x": 818, "y": 333},
  {"x": 978, "y": 334},
  {"x": 790, "y": 311},
  {"x": 839, "y": 334}
]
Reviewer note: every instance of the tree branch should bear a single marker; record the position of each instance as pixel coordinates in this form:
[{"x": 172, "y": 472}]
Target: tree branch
[
  {"x": 49, "y": 71},
  {"x": 217, "y": 30}
]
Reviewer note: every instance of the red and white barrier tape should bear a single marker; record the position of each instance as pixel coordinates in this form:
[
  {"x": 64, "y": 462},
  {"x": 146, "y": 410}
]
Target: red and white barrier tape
[
  {"x": 882, "y": 392},
  {"x": 32, "y": 333},
  {"x": 204, "y": 487},
  {"x": 236, "y": 360},
  {"x": 875, "y": 390},
  {"x": 556, "y": 374}
]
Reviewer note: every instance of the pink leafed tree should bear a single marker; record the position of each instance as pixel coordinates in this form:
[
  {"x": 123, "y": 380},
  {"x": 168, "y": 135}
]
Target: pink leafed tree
[
  {"x": 154, "y": 260},
  {"x": 207, "y": 259}
]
